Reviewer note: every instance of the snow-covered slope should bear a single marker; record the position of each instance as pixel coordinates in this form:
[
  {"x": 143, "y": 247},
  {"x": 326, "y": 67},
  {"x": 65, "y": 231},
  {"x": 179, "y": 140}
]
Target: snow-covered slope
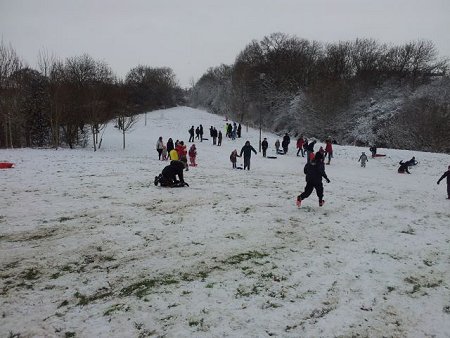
[{"x": 91, "y": 248}]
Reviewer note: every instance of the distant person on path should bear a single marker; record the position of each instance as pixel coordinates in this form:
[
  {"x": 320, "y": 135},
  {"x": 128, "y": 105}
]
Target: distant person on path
[
  {"x": 363, "y": 159},
  {"x": 310, "y": 151},
  {"x": 214, "y": 135},
  {"x": 182, "y": 154},
  {"x": 170, "y": 145},
  {"x": 444, "y": 175},
  {"x": 219, "y": 138},
  {"x": 277, "y": 146},
  {"x": 197, "y": 133},
  {"x": 300, "y": 143},
  {"x": 159, "y": 147},
  {"x": 171, "y": 175},
  {"x": 164, "y": 153},
  {"x": 191, "y": 134},
  {"x": 264, "y": 146},
  {"x": 201, "y": 133},
  {"x": 373, "y": 150},
  {"x": 314, "y": 171},
  {"x": 328, "y": 150},
  {"x": 193, "y": 155},
  {"x": 247, "y": 151},
  {"x": 285, "y": 143},
  {"x": 239, "y": 130},
  {"x": 403, "y": 168},
  {"x": 233, "y": 158}
]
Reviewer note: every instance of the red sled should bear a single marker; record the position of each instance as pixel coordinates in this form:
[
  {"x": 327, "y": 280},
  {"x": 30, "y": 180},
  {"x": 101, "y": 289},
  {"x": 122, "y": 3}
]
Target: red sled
[{"x": 6, "y": 165}]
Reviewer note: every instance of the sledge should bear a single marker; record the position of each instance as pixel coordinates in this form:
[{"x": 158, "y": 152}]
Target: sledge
[
  {"x": 379, "y": 155},
  {"x": 271, "y": 157},
  {"x": 6, "y": 165}
]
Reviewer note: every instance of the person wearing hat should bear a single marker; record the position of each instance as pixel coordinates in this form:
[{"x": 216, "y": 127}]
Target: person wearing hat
[
  {"x": 444, "y": 175},
  {"x": 314, "y": 171},
  {"x": 264, "y": 146}
]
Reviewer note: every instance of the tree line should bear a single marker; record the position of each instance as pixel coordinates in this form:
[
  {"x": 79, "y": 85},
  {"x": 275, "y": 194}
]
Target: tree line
[
  {"x": 291, "y": 84},
  {"x": 67, "y": 102}
]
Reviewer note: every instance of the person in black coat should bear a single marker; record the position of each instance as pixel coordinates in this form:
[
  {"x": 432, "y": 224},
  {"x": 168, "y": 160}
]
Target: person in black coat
[
  {"x": 314, "y": 171},
  {"x": 285, "y": 143},
  {"x": 169, "y": 145},
  {"x": 310, "y": 150},
  {"x": 191, "y": 134},
  {"x": 264, "y": 146},
  {"x": 403, "y": 168},
  {"x": 444, "y": 175},
  {"x": 171, "y": 175},
  {"x": 247, "y": 151},
  {"x": 200, "y": 132}
]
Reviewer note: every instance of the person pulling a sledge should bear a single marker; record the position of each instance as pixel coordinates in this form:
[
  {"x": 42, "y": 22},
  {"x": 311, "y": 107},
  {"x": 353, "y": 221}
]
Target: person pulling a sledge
[{"x": 314, "y": 171}]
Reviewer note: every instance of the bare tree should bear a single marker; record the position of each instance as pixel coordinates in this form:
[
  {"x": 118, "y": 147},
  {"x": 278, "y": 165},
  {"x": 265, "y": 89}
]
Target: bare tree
[{"x": 9, "y": 65}]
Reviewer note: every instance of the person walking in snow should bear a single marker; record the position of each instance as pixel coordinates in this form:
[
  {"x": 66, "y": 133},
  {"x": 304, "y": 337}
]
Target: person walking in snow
[
  {"x": 164, "y": 153},
  {"x": 310, "y": 151},
  {"x": 191, "y": 134},
  {"x": 170, "y": 145},
  {"x": 363, "y": 159},
  {"x": 300, "y": 143},
  {"x": 192, "y": 155},
  {"x": 314, "y": 171},
  {"x": 239, "y": 130},
  {"x": 200, "y": 131},
  {"x": 264, "y": 146},
  {"x": 285, "y": 143},
  {"x": 444, "y": 175},
  {"x": 219, "y": 138},
  {"x": 233, "y": 158},
  {"x": 159, "y": 147},
  {"x": 197, "y": 133},
  {"x": 328, "y": 150},
  {"x": 277, "y": 146},
  {"x": 182, "y": 154},
  {"x": 247, "y": 151}
]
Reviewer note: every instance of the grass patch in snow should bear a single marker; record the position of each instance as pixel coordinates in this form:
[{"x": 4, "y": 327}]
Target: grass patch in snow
[
  {"x": 143, "y": 288},
  {"x": 85, "y": 300},
  {"x": 245, "y": 256}
]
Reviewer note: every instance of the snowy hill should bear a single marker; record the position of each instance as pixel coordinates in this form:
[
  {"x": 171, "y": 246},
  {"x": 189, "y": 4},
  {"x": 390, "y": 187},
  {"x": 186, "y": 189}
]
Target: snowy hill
[{"x": 91, "y": 248}]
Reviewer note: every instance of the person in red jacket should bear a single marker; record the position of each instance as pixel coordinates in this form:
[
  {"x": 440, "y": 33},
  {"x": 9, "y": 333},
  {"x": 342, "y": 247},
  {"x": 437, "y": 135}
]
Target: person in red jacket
[
  {"x": 328, "y": 150},
  {"x": 193, "y": 155},
  {"x": 182, "y": 153},
  {"x": 300, "y": 143},
  {"x": 444, "y": 175}
]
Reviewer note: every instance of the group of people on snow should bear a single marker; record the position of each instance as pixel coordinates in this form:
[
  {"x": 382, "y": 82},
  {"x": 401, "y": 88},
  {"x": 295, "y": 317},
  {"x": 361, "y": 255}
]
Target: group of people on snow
[{"x": 315, "y": 161}]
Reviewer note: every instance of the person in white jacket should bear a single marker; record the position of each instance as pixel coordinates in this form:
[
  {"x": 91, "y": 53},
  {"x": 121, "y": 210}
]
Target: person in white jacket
[{"x": 159, "y": 147}]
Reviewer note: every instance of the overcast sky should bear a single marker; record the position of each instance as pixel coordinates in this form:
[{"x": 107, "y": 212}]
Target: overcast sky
[{"x": 190, "y": 36}]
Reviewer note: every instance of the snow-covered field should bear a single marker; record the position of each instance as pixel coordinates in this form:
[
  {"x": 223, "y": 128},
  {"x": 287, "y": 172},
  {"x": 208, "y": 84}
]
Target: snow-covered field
[{"x": 91, "y": 248}]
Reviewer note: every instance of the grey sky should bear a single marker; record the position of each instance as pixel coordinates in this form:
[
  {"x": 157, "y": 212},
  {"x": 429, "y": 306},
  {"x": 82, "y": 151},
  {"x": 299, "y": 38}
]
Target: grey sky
[{"x": 192, "y": 35}]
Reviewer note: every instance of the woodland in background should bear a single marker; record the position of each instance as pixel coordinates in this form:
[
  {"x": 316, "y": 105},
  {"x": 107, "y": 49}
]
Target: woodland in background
[
  {"x": 357, "y": 92},
  {"x": 66, "y": 102}
]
